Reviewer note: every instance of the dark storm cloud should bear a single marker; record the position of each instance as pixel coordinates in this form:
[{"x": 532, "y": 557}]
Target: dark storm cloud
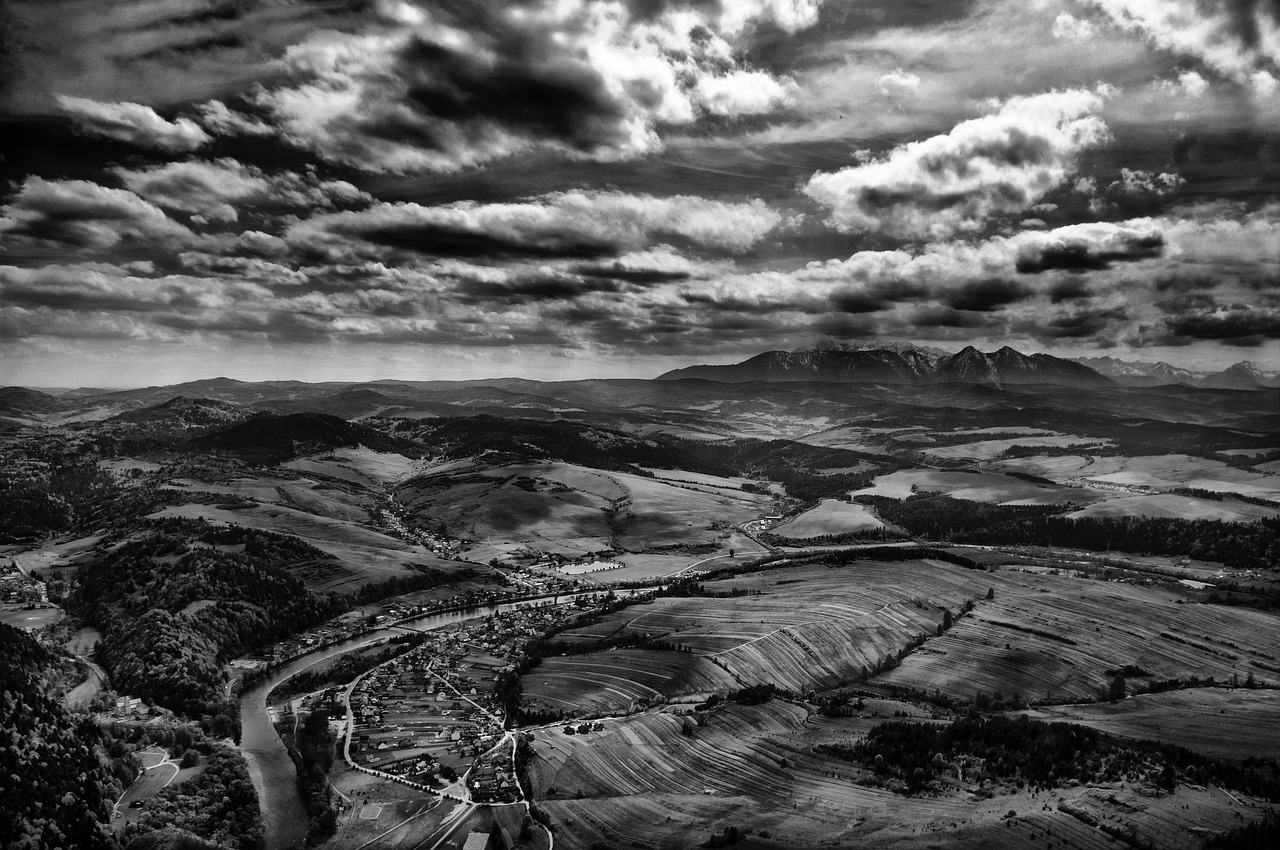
[
  {"x": 878, "y": 295},
  {"x": 984, "y": 296},
  {"x": 616, "y": 271},
  {"x": 1240, "y": 324},
  {"x": 1078, "y": 324},
  {"x": 523, "y": 289},
  {"x": 1082, "y": 256}
]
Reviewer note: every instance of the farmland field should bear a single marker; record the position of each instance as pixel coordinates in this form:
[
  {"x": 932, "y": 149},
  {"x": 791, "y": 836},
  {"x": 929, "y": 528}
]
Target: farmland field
[
  {"x": 829, "y": 517},
  {"x": 605, "y": 682},
  {"x": 1171, "y": 505},
  {"x": 975, "y": 487},
  {"x": 644, "y": 782},
  {"x": 549, "y": 506},
  {"x": 1231, "y": 723},
  {"x": 1055, "y": 638},
  {"x": 800, "y": 628}
]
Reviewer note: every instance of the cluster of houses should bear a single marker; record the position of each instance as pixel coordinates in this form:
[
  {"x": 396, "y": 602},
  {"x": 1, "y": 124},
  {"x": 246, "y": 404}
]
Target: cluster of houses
[
  {"x": 17, "y": 588},
  {"x": 434, "y": 710},
  {"x": 493, "y": 779}
]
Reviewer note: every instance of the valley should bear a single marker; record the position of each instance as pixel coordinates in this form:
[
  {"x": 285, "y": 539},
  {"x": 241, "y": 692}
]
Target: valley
[{"x": 660, "y": 614}]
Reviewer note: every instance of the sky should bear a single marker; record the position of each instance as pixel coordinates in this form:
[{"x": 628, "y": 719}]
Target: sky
[{"x": 561, "y": 189}]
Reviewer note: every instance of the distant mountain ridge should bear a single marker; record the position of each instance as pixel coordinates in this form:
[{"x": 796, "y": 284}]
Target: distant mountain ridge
[
  {"x": 901, "y": 364},
  {"x": 1239, "y": 376}
]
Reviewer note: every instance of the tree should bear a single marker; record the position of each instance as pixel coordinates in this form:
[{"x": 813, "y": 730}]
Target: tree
[
  {"x": 991, "y": 593},
  {"x": 947, "y": 620},
  {"x": 1115, "y": 692}
]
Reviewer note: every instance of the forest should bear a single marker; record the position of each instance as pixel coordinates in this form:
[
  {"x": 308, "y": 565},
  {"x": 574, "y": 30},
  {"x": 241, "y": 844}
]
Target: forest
[
  {"x": 137, "y": 594},
  {"x": 56, "y": 782},
  {"x": 908, "y": 756}
]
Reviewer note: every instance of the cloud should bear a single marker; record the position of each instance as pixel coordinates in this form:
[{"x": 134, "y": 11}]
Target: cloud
[
  {"x": 998, "y": 164},
  {"x": 984, "y": 296},
  {"x": 898, "y": 83},
  {"x": 134, "y": 123},
  {"x": 1087, "y": 248},
  {"x": 578, "y": 224},
  {"x": 85, "y": 215},
  {"x": 1070, "y": 28},
  {"x": 742, "y": 93},
  {"x": 446, "y": 89},
  {"x": 213, "y": 190},
  {"x": 1233, "y": 37},
  {"x": 1197, "y": 319}
]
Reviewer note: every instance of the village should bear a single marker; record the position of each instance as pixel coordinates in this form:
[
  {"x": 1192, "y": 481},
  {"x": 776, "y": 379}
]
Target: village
[{"x": 434, "y": 717}]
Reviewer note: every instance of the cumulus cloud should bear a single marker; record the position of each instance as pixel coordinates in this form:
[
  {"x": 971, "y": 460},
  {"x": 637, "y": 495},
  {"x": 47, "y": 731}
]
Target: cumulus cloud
[
  {"x": 742, "y": 93},
  {"x": 134, "y": 123},
  {"x": 85, "y": 215},
  {"x": 897, "y": 83},
  {"x": 998, "y": 164},
  {"x": 577, "y": 224},
  {"x": 440, "y": 90},
  {"x": 212, "y": 191},
  {"x": 1233, "y": 37},
  {"x": 1070, "y": 28}
]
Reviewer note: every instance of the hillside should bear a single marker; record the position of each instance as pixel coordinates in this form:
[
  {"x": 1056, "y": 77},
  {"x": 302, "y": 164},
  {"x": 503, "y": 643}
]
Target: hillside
[{"x": 54, "y": 779}]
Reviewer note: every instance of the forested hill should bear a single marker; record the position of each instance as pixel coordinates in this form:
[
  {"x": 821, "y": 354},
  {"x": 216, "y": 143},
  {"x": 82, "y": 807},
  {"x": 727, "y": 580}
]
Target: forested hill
[{"x": 55, "y": 785}]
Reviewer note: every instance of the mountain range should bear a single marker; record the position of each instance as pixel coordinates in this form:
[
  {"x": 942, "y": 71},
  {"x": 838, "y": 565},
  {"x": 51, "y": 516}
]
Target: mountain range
[
  {"x": 901, "y": 364},
  {"x": 906, "y": 363}
]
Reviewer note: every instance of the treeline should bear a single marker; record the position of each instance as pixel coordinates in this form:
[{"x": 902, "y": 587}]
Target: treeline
[
  {"x": 1047, "y": 755},
  {"x": 136, "y": 596},
  {"x": 56, "y": 783},
  {"x": 1252, "y": 545},
  {"x": 944, "y": 518},
  {"x": 313, "y": 753},
  {"x": 219, "y": 804}
]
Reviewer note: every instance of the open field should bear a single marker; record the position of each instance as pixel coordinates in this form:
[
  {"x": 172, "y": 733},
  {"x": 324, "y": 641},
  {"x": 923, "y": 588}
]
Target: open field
[
  {"x": 1156, "y": 472},
  {"x": 364, "y": 554},
  {"x": 359, "y": 466},
  {"x": 19, "y": 616},
  {"x": 1231, "y": 723},
  {"x": 988, "y": 449},
  {"x": 642, "y": 783},
  {"x": 1054, "y": 638},
  {"x": 557, "y": 507},
  {"x": 975, "y": 487},
  {"x": 159, "y": 772},
  {"x": 829, "y": 517},
  {"x": 1177, "y": 507}
]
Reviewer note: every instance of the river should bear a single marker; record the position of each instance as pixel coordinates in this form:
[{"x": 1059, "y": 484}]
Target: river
[{"x": 284, "y": 813}]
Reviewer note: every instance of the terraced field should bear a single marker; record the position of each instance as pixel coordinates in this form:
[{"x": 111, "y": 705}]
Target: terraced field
[
  {"x": 1055, "y": 637},
  {"x": 642, "y": 783},
  {"x": 606, "y": 682},
  {"x": 801, "y": 628}
]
